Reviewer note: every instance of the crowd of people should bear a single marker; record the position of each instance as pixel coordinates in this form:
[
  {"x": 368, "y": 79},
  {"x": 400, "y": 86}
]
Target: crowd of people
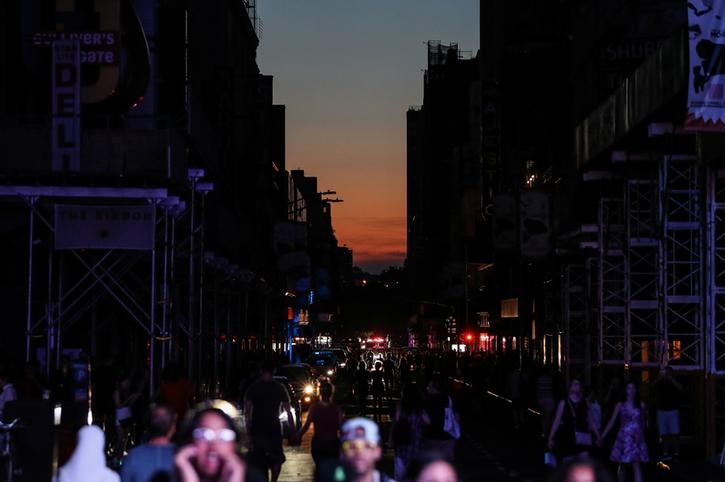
[{"x": 584, "y": 434}]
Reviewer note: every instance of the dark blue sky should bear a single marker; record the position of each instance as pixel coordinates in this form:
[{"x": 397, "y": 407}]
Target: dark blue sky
[{"x": 348, "y": 70}]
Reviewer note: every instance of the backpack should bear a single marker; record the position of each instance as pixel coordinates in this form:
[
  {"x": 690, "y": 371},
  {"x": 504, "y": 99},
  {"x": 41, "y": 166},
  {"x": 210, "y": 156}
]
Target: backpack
[{"x": 402, "y": 431}]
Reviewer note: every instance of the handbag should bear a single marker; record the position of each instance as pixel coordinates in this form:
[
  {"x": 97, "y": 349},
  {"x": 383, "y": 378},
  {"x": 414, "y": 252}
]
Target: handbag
[
  {"x": 550, "y": 460},
  {"x": 450, "y": 424}
]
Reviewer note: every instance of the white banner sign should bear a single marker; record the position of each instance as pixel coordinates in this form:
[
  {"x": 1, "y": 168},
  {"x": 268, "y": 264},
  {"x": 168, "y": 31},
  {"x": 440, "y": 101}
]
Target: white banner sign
[
  {"x": 104, "y": 227},
  {"x": 66, "y": 106},
  {"x": 706, "y": 91}
]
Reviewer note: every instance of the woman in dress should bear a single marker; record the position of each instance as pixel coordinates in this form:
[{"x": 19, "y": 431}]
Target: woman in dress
[
  {"x": 629, "y": 446},
  {"x": 574, "y": 426},
  {"x": 326, "y": 415}
]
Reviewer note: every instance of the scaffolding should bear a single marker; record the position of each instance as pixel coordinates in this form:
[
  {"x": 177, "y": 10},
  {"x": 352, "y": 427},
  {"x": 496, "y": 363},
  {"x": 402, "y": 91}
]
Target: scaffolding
[
  {"x": 643, "y": 261},
  {"x": 613, "y": 329},
  {"x": 683, "y": 271},
  {"x": 576, "y": 300},
  {"x": 142, "y": 283}
]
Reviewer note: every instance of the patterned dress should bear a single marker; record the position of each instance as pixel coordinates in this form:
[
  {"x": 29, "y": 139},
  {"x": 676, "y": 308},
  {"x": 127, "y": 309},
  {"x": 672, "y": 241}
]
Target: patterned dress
[{"x": 630, "y": 445}]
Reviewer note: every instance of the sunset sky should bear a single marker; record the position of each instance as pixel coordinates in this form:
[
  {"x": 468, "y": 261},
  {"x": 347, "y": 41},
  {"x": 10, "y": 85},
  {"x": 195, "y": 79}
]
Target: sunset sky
[{"x": 347, "y": 71}]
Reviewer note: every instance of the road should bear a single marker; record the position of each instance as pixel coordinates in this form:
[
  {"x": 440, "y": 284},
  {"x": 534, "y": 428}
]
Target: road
[{"x": 489, "y": 448}]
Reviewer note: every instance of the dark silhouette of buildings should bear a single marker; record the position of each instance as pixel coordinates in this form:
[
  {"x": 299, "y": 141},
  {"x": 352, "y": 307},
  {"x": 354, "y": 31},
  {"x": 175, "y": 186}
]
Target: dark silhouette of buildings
[{"x": 177, "y": 121}]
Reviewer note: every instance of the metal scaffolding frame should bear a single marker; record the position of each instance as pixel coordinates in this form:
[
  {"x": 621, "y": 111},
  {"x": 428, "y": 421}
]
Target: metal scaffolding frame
[
  {"x": 644, "y": 319},
  {"x": 576, "y": 300},
  {"x": 103, "y": 271},
  {"x": 684, "y": 264},
  {"x": 716, "y": 273},
  {"x": 613, "y": 329}
]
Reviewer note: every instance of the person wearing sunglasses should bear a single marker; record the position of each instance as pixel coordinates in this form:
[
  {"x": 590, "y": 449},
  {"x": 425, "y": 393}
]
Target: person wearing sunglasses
[
  {"x": 210, "y": 454},
  {"x": 361, "y": 451}
]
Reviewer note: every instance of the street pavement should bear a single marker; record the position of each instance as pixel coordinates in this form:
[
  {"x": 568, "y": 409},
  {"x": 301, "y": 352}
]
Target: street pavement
[{"x": 490, "y": 449}]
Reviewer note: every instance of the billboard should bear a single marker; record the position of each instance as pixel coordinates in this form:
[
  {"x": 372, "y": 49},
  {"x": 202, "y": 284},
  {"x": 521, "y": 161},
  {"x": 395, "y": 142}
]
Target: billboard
[
  {"x": 104, "y": 227},
  {"x": 535, "y": 233},
  {"x": 706, "y": 86}
]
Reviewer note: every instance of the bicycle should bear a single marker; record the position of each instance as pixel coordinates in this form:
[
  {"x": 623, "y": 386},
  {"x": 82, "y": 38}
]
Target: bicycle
[{"x": 6, "y": 449}]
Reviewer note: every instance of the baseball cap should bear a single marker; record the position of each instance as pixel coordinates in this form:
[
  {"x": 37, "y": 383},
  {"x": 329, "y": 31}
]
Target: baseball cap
[{"x": 361, "y": 428}]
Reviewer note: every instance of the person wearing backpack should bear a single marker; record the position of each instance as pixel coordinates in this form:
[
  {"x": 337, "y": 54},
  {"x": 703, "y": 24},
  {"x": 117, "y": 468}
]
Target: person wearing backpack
[{"x": 407, "y": 431}]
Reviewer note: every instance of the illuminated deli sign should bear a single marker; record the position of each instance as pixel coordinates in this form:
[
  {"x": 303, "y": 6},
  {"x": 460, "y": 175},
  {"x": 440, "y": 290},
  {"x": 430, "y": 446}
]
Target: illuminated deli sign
[
  {"x": 104, "y": 227},
  {"x": 66, "y": 106},
  {"x": 99, "y": 48}
]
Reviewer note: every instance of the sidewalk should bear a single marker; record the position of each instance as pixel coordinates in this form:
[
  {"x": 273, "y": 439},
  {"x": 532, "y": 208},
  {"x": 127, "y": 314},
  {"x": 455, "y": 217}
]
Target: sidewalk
[{"x": 490, "y": 445}]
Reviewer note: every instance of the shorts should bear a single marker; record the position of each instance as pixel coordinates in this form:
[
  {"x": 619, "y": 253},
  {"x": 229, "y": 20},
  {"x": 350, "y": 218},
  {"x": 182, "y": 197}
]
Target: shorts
[
  {"x": 668, "y": 422},
  {"x": 266, "y": 453}
]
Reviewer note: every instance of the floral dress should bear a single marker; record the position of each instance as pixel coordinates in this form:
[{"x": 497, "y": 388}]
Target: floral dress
[{"x": 630, "y": 445}]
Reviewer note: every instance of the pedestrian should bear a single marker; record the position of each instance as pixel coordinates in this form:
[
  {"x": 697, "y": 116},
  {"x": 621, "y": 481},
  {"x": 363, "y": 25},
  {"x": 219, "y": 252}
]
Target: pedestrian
[
  {"x": 7, "y": 391},
  {"x": 545, "y": 398},
  {"x": 389, "y": 369},
  {"x": 435, "y": 437},
  {"x": 378, "y": 388},
  {"x": 125, "y": 397},
  {"x": 362, "y": 378},
  {"x": 572, "y": 432},
  {"x": 630, "y": 447},
  {"x": 209, "y": 450},
  {"x": 581, "y": 471},
  {"x": 515, "y": 388},
  {"x": 154, "y": 460},
  {"x": 88, "y": 462},
  {"x": 326, "y": 415},
  {"x": 261, "y": 410},
  {"x": 361, "y": 451},
  {"x": 667, "y": 398},
  {"x": 176, "y": 390},
  {"x": 407, "y": 431},
  {"x": 430, "y": 467}
]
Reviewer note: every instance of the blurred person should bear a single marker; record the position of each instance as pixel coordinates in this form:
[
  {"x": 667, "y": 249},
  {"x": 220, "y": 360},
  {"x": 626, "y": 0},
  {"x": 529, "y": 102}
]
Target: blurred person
[
  {"x": 125, "y": 398},
  {"x": 88, "y": 462},
  {"x": 389, "y": 370},
  {"x": 209, "y": 450},
  {"x": 515, "y": 382},
  {"x": 581, "y": 471},
  {"x": 435, "y": 438},
  {"x": 573, "y": 425},
  {"x": 630, "y": 447},
  {"x": 326, "y": 416},
  {"x": 430, "y": 467},
  {"x": 261, "y": 409},
  {"x": 30, "y": 386},
  {"x": 545, "y": 398},
  {"x": 154, "y": 460},
  {"x": 175, "y": 390},
  {"x": 362, "y": 378},
  {"x": 667, "y": 399},
  {"x": 361, "y": 451},
  {"x": 407, "y": 431},
  {"x": 378, "y": 388}
]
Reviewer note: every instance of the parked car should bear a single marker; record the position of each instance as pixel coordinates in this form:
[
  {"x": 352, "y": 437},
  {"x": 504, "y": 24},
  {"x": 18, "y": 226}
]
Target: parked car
[
  {"x": 323, "y": 364},
  {"x": 341, "y": 355},
  {"x": 295, "y": 407},
  {"x": 304, "y": 381}
]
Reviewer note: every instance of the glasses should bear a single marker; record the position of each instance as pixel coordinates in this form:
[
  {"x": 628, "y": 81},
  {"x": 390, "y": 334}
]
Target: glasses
[
  {"x": 210, "y": 435},
  {"x": 350, "y": 445}
]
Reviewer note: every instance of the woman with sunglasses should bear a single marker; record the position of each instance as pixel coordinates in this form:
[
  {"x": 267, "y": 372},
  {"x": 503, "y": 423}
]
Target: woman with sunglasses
[{"x": 211, "y": 452}]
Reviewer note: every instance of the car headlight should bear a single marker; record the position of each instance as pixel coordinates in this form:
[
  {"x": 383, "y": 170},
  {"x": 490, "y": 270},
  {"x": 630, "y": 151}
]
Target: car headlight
[
  {"x": 309, "y": 389},
  {"x": 330, "y": 372},
  {"x": 343, "y": 364}
]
